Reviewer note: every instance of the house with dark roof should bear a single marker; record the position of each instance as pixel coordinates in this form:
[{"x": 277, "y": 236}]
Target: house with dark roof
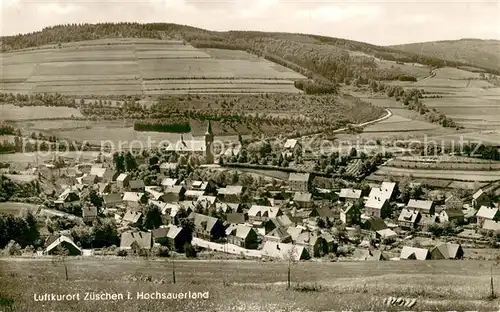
[
  {"x": 171, "y": 235},
  {"x": 323, "y": 212},
  {"x": 63, "y": 242},
  {"x": 282, "y": 221},
  {"x": 447, "y": 251},
  {"x": 138, "y": 239},
  {"x": 136, "y": 185},
  {"x": 89, "y": 213},
  {"x": 480, "y": 198},
  {"x": 174, "y": 193},
  {"x": 374, "y": 224},
  {"x": 412, "y": 253},
  {"x": 208, "y": 228},
  {"x": 103, "y": 188},
  {"x": 68, "y": 198},
  {"x": 425, "y": 207},
  {"x": 278, "y": 235},
  {"x": 235, "y": 218},
  {"x": 299, "y": 182},
  {"x": 409, "y": 219},
  {"x": 314, "y": 242},
  {"x": 454, "y": 203},
  {"x": 448, "y": 215},
  {"x": 242, "y": 236},
  {"x": 111, "y": 200}
]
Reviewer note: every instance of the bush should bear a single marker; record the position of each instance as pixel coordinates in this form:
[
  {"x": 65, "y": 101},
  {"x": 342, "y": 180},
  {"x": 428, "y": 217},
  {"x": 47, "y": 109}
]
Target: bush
[
  {"x": 13, "y": 248},
  {"x": 121, "y": 253},
  {"x": 190, "y": 250},
  {"x": 161, "y": 251}
]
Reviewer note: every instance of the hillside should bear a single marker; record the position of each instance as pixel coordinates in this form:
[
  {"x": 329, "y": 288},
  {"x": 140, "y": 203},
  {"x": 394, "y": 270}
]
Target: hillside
[
  {"x": 480, "y": 53},
  {"x": 322, "y": 58}
]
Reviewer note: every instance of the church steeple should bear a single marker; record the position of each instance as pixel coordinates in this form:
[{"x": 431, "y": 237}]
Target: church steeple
[{"x": 209, "y": 139}]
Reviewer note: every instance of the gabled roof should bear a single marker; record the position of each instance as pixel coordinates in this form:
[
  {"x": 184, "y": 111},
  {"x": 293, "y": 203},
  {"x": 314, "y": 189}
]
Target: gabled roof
[
  {"x": 136, "y": 184},
  {"x": 487, "y": 212},
  {"x": 210, "y": 200},
  {"x": 323, "y": 212},
  {"x": 383, "y": 192},
  {"x": 424, "y": 205},
  {"x": 283, "y": 251},
  {"x": 194, "y": 193},
  {"x": 412, "y": 253},
  {"x": 280, "y": 233},
  {"x": 302, "y": 177},
  {"x": 491, "y": 225},
  {"x": 477, "y": 194},
  {"x": 263, "y": 211},
  {"x": 89, "y": 211},
  {"x": 235, "y": 218},
  {"x": 302, "y": 197},
  {"x": 452, "y": 213},
  {"x": 447, "y": 250},
  {"x": 290, "y": 143},
  {"x": 132, "y": 196},
  {"x": 387, "y": 233},
  {"x": 62, "y": 239},
  {"x": 428, "y": 220},
  {"x": 122, "y": 177},
  {"x": 239, "y": 230},
  {"x": 169, "y": 182},
  {"x": 132, "y": 216},
  {"x": 187, "y": 146},
  {"x": 175, "y": 189},
  {"x": 203, "y": 222},
  {"x": 226, "y": 207},
  {"x": 143, "y": 239},
  {"x": 231, "y": 190},
  {"x": 350, "y": 193},
  {"x": 452, "y": 198},
  {"x": 155, "y": 194},
  {"x": 375, "y": 224},
  {"x": 375, "y": 203},
  {"x": 112, "y": 198}
]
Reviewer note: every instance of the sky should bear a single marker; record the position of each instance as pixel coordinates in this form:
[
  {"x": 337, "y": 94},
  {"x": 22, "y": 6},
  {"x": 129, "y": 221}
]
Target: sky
[{"x": 377, "y": 22}]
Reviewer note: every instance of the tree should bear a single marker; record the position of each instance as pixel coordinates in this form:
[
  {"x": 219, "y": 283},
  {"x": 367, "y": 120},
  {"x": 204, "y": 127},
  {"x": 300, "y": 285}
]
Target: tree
[
  {"x": 189, "y": 227},
  {"x": 130, "y": 162},
  {"x": 190, "y": 250},
  {"x": 153, "y": 219},
  {"x": 119, "y": 162},
  {"x": 353, "y": 152}
]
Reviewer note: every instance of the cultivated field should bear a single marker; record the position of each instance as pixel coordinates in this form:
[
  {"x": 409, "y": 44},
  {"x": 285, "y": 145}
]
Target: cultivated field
[
  {"x": 12, "y": 112},
  {"x": 252, "y": 286},
  {"x": 140, "y": 67},
  {"x": 16, "y": 208},
  {"x": 460, "y": 175}
]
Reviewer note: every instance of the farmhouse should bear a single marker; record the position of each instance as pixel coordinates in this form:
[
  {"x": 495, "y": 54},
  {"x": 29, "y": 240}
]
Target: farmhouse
[
  {"x": 193, "y": 194},
  {"x": 487, "y": 213},
  {"x": 242, "y": 236},
  {"x": 263, "y": 213},
  {"x": 480, "y": 198},
  {"x": 141, "y": 239},
  {"x": 314, "y": 243},
  {"x": 133, "y": 197},
  {"x": 279, "y": 222},
  {"x": 447, "y": 251},
  {"x": 412, "y": 253},
  {"x": 321, "y": 212},
  {"x": 425, "y": 207},
  {"x": 282, "y": 251},
  {"x": 66, "y": 243},
  {"x": 299, "y": 182},
  {"x": 171, "y": 235},
  {"x": 386, "y": 234},
  {"x": 349, "y": 194},
  {"x": 427, "y": 220},
  {"x": 374, "y": 224},
  {"x": 228, "y": 208},
  {"x": 208, "y": 228},
  {"x": 104, "y": 174}
]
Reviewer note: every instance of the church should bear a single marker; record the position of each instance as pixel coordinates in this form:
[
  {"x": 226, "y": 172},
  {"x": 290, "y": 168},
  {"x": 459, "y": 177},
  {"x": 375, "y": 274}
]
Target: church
[{"x": 198, "y": 147}]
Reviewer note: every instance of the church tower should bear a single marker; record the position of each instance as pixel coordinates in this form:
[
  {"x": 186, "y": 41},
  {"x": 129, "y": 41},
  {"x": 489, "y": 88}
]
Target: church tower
[{"x": 209, "y": 139}]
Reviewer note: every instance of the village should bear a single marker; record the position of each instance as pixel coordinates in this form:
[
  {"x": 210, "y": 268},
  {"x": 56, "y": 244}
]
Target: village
[{"x": 188, "y": 206}]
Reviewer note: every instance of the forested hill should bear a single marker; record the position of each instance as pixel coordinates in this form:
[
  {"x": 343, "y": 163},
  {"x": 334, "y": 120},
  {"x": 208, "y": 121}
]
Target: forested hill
[
  {"x": 317, "y": 57},
  {"x": 481, "y": 53}
]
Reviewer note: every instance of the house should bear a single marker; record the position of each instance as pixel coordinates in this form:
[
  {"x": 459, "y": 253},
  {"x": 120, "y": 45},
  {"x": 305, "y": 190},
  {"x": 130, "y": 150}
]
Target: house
[
  {"x": 350, "y": 215},
  {"x": 208, "y": 228},
  {"x": 230, "y": 193},
  {"x": 490, "y": 225},
  {"x": 412, "y": 253},
  {"x": 487, "y": 213},
  {"x": 283, "y": 251},
  {"x": 193, "y": 194},
  {"x": 480, "y": 198},
  {"x": 425, "y": 207},
  {"x": 349, "y": 194},
  {"x": 89, "y": 179},
  {"x": 299, "y": 182},
  {"x": 314, "y": 243},
  {"x": 321, "y": 212},
  {"x": 242, "y": 236},
  {"x": 263, "y": 213},
  {"x": 385, "y": 191},
  {"x": 89, "y": 213},
  {"x": 409, "y": 219},
  {"x": 291, "y": 144},
  {"x": 104, "y": 174},
  {"x": 368, "y": 255},
  {"x": 279, "y": 235},
  {"x": 386, "y": 234},
  {"x": 453, "y": 203},
  {"x": 156, "y": 195},
  {"x": 111, "y": 200},
  {"x": 427, "y": 221},
  {"x": 123, "y": 180},
  {"x": 103, "y": 188},
  {"x": 68, "y": 198},
  {"x": 447, "y": 251},
  {"x": 280, "y": 221},
  {"x": 174, "y": 193},
  {"x": 141, "y": 239},
  {"x": 171, "y": 235},
  {"x": 331, "y": 244},
  {"x": 65, "y": 243},
  {"x": 235, "y": 218},
  {"x": 295, "y": 232},
  {"x": 133, "y": 198},
  {"x": 449, "y": 215},
  {"x": 207, "y": 202},
  {"x": 166, "y": 168},
  {"x": 136, "y": 185},
  {"x": 132, "y": 217},
  {"x": 303, "y": 200},
  {"x": 207, "y": 187},
  {"x": 228, "y": 207},
  {"x": 169, "y": 182},
  {"x": 374, "y": 224},
  {"x": 377, "y": 207}
]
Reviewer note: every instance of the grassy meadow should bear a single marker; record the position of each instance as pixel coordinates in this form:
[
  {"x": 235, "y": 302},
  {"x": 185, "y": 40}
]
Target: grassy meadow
[{"x": 252, "y": 286}]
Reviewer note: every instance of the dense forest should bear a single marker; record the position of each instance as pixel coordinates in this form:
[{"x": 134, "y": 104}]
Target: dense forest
[{"x": 317, "y": 57}]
